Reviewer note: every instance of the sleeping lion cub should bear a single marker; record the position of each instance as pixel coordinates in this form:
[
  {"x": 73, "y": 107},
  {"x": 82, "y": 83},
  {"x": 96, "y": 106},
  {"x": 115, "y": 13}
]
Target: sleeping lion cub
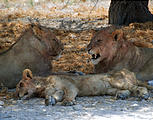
[{"x": 65, "y": 88}]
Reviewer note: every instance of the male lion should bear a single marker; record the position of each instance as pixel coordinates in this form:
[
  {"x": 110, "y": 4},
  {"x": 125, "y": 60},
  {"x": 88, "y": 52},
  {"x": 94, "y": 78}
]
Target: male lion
[
  {"x": 65, "y": 88},
  {"x": 111, "y": 51},
  {"x": 35, "y": 49}
]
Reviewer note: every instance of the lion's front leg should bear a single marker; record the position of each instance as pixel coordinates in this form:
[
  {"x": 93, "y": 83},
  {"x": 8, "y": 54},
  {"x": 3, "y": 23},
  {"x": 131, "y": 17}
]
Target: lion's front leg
[
  {"x": 52, "y": 99},
  {"x": 120, "y": 94},
  {"x": 69, "y": 96},
  {"x": 123, "y": 94},
  {"x": 140, "y": 92},
  {"x": 49, "y": 100}
]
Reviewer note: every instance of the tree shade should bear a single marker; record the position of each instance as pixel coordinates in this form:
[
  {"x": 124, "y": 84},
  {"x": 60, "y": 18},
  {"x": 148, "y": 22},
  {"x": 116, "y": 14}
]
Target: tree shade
[{"x": 126, "y": 12}]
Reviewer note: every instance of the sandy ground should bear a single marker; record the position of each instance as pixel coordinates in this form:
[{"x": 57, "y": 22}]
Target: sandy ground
[{"x": 87, "y": 108}]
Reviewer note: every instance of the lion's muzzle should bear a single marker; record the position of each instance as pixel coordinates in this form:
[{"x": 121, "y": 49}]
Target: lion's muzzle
[{"x": 95, "y": 57}]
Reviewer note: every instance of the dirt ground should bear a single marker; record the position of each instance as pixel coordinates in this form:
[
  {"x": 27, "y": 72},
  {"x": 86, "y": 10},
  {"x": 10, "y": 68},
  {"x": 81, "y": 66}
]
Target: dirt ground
[
  {"x": 87, "y": 108},
  {"x": 74, "y": 23}
]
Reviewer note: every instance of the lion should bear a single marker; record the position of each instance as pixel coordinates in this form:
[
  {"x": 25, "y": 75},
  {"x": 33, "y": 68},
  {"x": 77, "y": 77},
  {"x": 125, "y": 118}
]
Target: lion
[
  {"x": 65, "y": 88},
  {"x": 111, "y": 51},
  {"x": 35, "y": 49}
]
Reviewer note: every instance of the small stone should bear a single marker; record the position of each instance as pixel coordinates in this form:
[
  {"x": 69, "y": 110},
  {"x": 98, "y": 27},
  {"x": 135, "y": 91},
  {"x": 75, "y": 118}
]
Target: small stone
[
  {"x": 150, "y": 82},
  {"x": 1, "y": 103},
  {"x": 14, "y": 102},
  {"x": 19, "y": 101},
  {"x": 77, "y": 107}
]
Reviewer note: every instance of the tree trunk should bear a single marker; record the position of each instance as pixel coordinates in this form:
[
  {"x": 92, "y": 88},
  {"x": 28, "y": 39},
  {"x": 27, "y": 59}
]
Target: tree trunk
[{"x": 126, "y": 12}]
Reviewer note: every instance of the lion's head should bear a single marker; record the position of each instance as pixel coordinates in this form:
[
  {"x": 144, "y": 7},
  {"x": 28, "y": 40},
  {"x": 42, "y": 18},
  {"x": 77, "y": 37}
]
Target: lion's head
[
  {"x": 25, "y": 85},
  {"x": 30, "y": 86},
  {"x": 34, "y": 86},
  {"x": 53, "y": 46},
  {"x": 104, "y": 45}
]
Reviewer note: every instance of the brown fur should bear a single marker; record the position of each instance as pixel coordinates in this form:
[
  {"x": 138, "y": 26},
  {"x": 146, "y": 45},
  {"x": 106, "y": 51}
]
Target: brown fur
[
  {"x": 34, "y": 50},
  {"x": 65, "y": 87},
  {"x": 115, "y": 53}
]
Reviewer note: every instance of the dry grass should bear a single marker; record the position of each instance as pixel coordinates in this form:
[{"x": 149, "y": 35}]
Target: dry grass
[
  {"x": 139, "y": 33},
  {"x": 74, "y": 56},
  {"x": 9, "y": 32}
]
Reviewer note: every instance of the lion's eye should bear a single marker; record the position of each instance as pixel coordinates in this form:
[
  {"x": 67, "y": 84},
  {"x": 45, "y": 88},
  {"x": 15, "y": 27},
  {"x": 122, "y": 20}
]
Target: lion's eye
[
  {"x": 21, "y": 84},
  {"x": 98, "y": 40},
  {"x": 55, "y": 40}
]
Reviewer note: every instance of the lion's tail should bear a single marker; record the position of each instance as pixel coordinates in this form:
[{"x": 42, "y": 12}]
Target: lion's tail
[{"x": 145, "y": 84}]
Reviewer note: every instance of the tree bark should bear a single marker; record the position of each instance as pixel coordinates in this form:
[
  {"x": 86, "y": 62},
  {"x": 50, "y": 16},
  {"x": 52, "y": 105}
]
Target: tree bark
[{"x": 125, "y": 12}]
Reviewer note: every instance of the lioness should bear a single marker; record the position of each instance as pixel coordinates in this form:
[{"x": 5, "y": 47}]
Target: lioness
[
  {"x": 65, "y": 88},
  {"x": 35, "y": 49},
  {"x": 111, "y": 51}
]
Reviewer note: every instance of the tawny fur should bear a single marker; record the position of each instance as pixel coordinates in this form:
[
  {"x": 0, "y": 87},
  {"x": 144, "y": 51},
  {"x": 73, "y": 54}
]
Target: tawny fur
[
  {"x": 35, "y": 49},
  {"x": 115, "y": 53},
  {"x": 65, "y": 88}
]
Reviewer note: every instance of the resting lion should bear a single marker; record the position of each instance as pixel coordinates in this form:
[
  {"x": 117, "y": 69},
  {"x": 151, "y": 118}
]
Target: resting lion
[
  {"x": 35, "y": 49},
  {"x": 65, "y": 88},
  {"x": 111, "y": 51}
]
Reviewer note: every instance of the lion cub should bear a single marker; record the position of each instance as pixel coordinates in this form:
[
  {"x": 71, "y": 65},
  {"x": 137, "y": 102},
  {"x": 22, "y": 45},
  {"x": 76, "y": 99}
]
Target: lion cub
[{"x": 65, "y": 88}]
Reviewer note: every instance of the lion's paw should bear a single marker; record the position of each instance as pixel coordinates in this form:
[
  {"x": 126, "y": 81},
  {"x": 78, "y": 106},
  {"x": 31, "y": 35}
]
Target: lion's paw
[
  {"x": 50, "y": 101},
  {"x": 123, "y": 94},
  {"x": 68, "y": 103},
  {"x": 142, "y": 93},
  {"x": 26, "y": 97},
  {"x": 145, "y": 96}
]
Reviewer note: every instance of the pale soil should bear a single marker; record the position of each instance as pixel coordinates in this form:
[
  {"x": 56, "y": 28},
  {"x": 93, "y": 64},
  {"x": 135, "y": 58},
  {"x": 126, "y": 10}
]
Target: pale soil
[{"x": 87, "y": 108}]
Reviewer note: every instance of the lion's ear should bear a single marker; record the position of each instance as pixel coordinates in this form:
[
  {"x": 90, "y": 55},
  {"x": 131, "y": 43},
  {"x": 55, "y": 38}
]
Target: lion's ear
[
  {"x": 27, "y": 74},
  {"x": 117, "y": 35}
]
